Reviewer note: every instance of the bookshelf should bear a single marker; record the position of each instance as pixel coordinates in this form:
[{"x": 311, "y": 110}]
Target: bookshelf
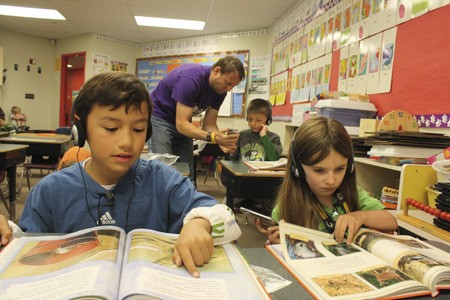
[{"x": 373, "y": 176}]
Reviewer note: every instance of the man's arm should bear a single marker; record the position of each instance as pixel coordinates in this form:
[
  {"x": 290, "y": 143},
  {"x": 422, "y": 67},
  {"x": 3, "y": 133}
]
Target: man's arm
[{"x": 185, "y": 127}]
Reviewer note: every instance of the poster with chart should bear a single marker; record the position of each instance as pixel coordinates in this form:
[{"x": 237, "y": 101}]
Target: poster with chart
[
  {"x": 387, "y": 60},
  {"x": 100, "y": 63},
  {"x": 259, "y": 75}
]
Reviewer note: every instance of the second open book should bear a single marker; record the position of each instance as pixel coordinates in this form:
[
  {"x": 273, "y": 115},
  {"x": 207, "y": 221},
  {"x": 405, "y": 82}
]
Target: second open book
[
  {"x": 376, "y": 265},
  {"x": 104, "y": 263}
]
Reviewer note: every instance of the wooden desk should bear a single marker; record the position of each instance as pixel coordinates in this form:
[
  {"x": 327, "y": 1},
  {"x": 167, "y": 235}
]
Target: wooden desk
[
  {"x": 10, "y": 157},
  {"x": 44, "y": 144},
  {"x": 240, "y": 182}
]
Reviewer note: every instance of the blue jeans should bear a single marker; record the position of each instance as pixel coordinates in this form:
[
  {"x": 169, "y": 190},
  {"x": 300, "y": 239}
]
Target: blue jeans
[{"x": 166, "y": 139}]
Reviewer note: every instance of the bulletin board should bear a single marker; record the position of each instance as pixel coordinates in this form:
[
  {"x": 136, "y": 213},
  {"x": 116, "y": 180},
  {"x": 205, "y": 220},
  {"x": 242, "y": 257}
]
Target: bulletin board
[
  {"x": 151, "y": 70},
  {"x": 420, "y": 81}
]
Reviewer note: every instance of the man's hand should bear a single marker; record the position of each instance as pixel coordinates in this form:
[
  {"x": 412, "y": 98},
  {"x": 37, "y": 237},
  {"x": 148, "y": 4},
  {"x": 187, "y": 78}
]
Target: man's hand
[
  {"x": 194, "y": 246},
  {"x": 226, "y": 140},
  {"x": 5, "y": 231}
]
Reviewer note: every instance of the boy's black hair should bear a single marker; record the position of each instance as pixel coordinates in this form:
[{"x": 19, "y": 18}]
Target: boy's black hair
[
  {"x": 112, "y": 89},
  {"x": 260, "y": 106}
]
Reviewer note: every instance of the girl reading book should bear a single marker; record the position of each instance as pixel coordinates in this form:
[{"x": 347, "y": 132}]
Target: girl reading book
[{"x": 319, "y": 189}]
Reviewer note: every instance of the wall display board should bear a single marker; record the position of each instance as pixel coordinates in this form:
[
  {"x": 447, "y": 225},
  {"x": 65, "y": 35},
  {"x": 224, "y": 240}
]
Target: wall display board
[
  {"x": 152, "y": 69},
  {"x": 395, "y": 51}
]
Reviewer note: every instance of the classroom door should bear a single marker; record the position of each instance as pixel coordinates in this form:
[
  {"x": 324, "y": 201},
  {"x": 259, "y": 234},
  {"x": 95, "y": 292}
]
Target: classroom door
[{"x": 72, "y": 78}]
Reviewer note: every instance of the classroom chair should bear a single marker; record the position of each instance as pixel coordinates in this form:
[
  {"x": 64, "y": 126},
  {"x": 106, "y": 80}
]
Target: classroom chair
[
  {"x": 40, "y": 163},
  {"x": 4, "y": 189}
]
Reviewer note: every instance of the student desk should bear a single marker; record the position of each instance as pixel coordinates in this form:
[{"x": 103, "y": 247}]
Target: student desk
[
  {"x": 10, "y": 156},
  {"x": 241, "y": 182},
  {"x": 44, "y": 144}
]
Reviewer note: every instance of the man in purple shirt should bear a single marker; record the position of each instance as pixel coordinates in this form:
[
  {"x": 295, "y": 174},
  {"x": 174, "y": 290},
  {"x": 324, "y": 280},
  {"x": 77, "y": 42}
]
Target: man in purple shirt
[{"x": 188, "y": 90}]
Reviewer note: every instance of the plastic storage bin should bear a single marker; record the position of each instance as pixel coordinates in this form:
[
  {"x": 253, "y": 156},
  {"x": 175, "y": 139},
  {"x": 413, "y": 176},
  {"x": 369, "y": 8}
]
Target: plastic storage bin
[{"x": 346, "y": 112}]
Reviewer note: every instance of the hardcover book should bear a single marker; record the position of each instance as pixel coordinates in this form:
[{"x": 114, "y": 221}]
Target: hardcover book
[
  {"x": 375, "y": 265},
  {"x": 104, "y": 263}
]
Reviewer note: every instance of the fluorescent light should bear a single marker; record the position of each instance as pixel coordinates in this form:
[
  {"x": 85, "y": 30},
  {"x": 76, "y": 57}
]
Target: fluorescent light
[
  {"x": 169, "y": 23},
  {"x": 28, "y": 12}
]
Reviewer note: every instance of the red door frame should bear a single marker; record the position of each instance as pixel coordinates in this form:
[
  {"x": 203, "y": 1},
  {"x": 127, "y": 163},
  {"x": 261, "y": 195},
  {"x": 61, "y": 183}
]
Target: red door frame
[{"x": 64, "y": 109}]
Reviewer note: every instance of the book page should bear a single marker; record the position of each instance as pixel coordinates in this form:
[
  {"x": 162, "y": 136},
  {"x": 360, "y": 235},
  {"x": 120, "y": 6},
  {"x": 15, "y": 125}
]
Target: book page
[
  {"x": 68, "y": 266},
  {"x": 336, "y": 270},
  {"x": 149, "y": 270},
  {"x": 419, "y": 260},
  {"x": 267, "y": 165}
]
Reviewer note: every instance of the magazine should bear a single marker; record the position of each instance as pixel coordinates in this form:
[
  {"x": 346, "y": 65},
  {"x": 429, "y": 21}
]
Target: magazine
[
  {"x": 104, "y": 263},
  {"x": 277, "y": 165},
  {"x": 375, "y": 265}
]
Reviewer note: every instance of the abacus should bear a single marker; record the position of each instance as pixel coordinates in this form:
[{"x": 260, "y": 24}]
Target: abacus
[{"x": 442, "y": 216}]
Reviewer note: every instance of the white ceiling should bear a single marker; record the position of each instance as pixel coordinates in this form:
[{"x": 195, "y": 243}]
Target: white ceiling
[{"x": 115, "y": 18}]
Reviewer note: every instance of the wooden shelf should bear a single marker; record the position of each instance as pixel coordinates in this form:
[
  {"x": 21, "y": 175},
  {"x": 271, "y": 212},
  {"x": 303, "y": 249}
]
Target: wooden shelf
[{"x": 378, "y": 164}]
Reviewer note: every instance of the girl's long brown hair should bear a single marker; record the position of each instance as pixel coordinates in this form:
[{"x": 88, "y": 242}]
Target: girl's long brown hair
[{"x": 313, "y": 142}]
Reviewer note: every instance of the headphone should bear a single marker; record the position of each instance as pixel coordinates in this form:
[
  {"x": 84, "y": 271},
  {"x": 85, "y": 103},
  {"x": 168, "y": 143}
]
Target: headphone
[
  {"x": 269, "y": 106},
  {"x": 78, "y": 130},
  {"x": 297, "y": 170}
]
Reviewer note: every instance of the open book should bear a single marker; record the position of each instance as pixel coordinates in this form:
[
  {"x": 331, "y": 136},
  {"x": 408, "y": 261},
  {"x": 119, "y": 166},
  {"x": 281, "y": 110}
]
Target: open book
[
  {"x": 276, "y": 165},
  {"x": 104, "y": 263},
  {"x": 376, "y": 265}
]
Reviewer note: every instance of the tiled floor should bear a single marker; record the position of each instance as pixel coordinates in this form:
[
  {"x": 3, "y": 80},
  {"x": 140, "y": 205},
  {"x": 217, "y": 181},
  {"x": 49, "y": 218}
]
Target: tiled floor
[{"x": 250, "y": 238}]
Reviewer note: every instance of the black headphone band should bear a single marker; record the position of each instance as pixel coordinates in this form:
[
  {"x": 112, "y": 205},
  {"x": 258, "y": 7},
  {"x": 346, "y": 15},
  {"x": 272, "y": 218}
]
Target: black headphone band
[
  {"x": 297, "y": 170},
  {"x": 269, "y": 115}
]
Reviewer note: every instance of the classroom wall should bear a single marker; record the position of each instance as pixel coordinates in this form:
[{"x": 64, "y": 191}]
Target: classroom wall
[
  {"x": 258, "y": 45},
  {"x": 18, "y": 49}
]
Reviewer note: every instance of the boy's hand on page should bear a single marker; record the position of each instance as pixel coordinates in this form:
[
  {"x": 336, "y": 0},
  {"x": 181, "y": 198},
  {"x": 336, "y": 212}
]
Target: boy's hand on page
[
  {"x": 349, "y": 225},
  {"x": 5, "y": 231},
  {"x": 194, "y": 245}
]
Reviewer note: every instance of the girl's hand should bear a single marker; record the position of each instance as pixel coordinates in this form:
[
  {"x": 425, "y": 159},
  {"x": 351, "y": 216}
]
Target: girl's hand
[
  {"x": 272, "y": 233},
  {"x": 347, "y": 226}
]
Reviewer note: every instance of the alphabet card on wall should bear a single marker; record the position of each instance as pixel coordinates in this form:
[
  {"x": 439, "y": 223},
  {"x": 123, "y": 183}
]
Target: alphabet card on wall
[
  {"x": 374, "y": 63},
  {"x": 366, "y": 21},
  {"x": 355, "y": 17},
  {"x": 343, "y": 70},
  {"x": 387, "y": 60},
  {"x": 353, "y": 67},
  {"x": 363, "y": 62},
  {"x": 387, "y": 16}
]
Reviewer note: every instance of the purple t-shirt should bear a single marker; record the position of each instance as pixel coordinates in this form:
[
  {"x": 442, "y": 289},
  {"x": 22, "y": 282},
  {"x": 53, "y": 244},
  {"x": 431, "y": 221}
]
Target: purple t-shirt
[{"x": 187, "y": 84}]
